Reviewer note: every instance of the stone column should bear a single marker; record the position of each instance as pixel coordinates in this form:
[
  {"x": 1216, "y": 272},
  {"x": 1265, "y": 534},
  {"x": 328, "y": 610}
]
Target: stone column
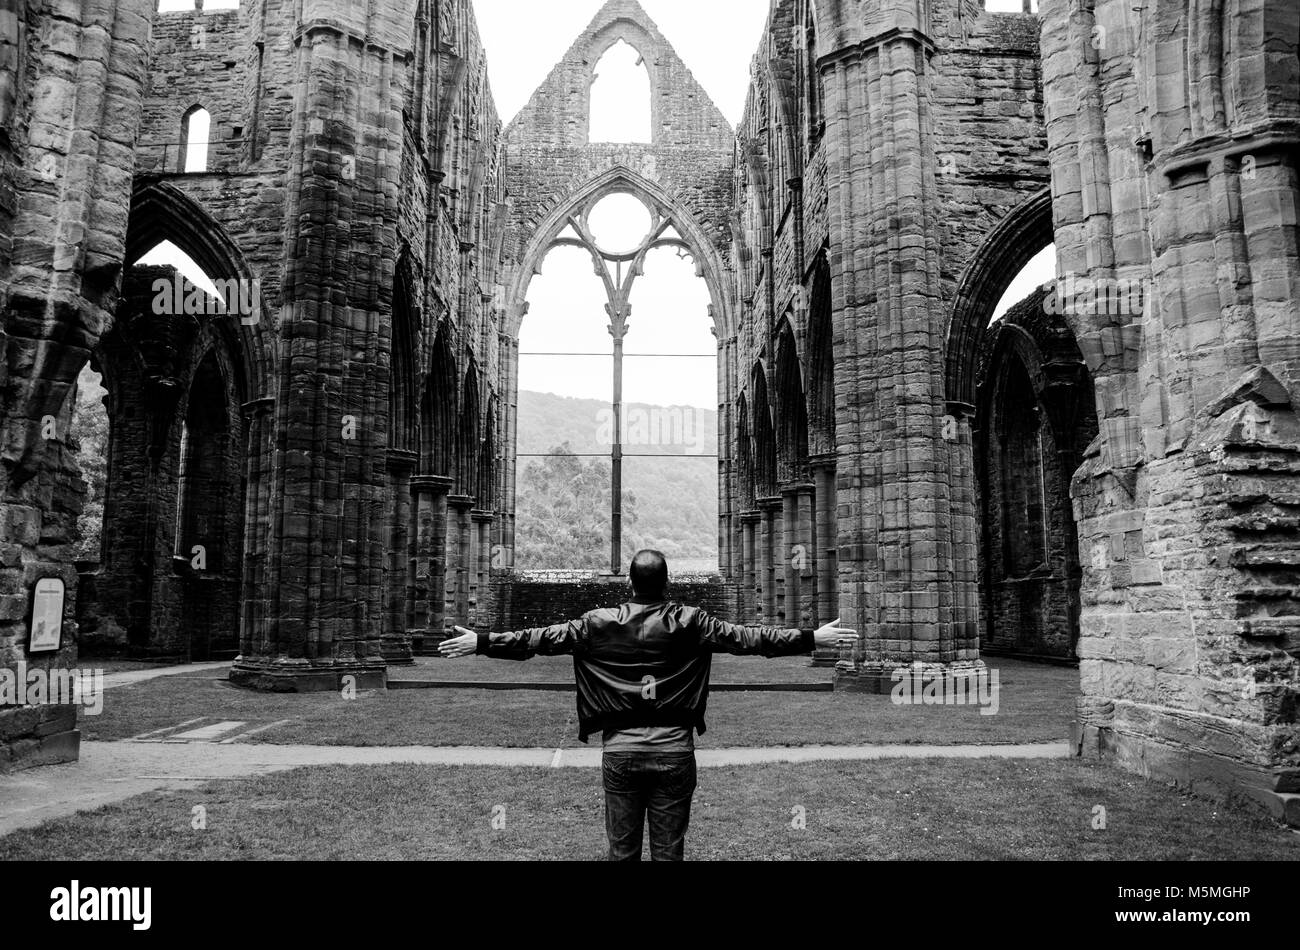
[
  {"x": 397, "y": 638},
  {"x": 800, "y": 555},
  {"x": 826, "y": 530},
  {"x": 427, "y": 573},
  {"x": 750, "y": 526},
  {"x": 480, "y": 590},
  {"x": 459, "y": 565},
  {"x": 772, "y": 572},
  {"x": 342, "y": 206},
  {"x": 898, "y": 583},
  {"x": 258, "y": 418}
]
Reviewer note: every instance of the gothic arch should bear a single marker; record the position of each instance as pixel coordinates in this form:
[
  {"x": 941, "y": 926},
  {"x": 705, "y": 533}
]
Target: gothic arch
[
  {"x": 469, "y": 436},
  {"x": 744, "y": 456},
  {"x": 637, "y": 37},
  {"x": 791, "y": 410},
  {"x": 1012, "y": 244},
  {"x": 821, "y": 361},
  {"x": 438, "y": 404},
  {"x": 621, "y": 179},
  {"x": 403, "y": 422},
  {"x": 161, "y": 212},
  {"x": 765, "y": 474}
]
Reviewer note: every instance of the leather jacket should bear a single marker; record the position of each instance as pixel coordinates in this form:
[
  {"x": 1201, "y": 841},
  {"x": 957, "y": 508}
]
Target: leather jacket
[{"x": 646, "y": 663}]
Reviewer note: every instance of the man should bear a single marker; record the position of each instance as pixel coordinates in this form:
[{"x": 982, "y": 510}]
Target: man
[{"x": 643, "y": 683}]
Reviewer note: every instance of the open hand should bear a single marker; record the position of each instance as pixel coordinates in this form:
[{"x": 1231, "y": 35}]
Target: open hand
[
  {"x": 462, "y": 646},
  {"x": 832, "y": 636}
]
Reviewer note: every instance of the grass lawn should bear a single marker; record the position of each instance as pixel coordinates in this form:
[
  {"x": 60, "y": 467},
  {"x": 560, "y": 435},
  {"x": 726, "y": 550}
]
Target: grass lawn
[
  {"x": 997, "y": 810},
  {"x": 1037, "y": 703}
]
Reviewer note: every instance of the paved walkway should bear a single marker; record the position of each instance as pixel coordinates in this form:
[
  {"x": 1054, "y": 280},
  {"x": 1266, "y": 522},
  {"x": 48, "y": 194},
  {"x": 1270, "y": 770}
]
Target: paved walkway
[
  {"x": 131, "y": 677},
  {"x": 114, "y": 771}
]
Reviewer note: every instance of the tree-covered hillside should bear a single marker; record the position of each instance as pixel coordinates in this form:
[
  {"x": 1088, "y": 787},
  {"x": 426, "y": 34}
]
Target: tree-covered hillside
[{"x": 564, "y": 501}]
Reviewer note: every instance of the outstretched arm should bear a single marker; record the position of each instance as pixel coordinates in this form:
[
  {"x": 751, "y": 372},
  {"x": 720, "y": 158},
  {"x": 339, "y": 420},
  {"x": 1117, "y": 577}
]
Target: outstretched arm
[
  {"x": 522, "y": 645},
  {"x": 720, "y": 637}
]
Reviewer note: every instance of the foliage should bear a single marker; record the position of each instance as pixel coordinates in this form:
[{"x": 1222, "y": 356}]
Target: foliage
[
  {"x": 669, "y": 503},
  {"x": 90, "y": 439}
]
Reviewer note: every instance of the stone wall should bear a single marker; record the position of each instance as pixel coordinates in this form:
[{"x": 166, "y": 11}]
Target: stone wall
[
  {"x": 68, "y": 119},
  {"x": 1174, "y": 166},
  {"x": 520, "y": 604}
]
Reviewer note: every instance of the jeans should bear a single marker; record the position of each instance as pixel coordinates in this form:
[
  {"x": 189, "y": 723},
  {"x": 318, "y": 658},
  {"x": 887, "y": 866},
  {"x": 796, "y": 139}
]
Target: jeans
[{"x": 638, "y": 785}]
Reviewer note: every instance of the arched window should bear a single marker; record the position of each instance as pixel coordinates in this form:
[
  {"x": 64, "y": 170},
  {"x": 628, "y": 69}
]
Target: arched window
[
  {"x": 813, "y": 79},
  {"x": 620, "y": 97},
  {"x": 196, "y": 129},
  {"x": 618, "y": 396},
  {"x": 205, "y": 457}
]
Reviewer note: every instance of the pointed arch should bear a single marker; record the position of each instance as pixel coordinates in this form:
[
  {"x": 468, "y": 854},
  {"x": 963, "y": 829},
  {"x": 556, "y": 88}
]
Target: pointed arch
[
  {"x": 468, "y": 440},
  {"x": 161, "y": 212},
  {"x": 196, "y": 139},
  {"x": 403, "y": 419},
  {"x": 744, "y": 456},
  {"x": 765, "y": 484},
  {"x": 622, "y": 178},
  {"x": 821, "y": 361},
  {"x": 438, "y": 409},
  {"x": 791, "y": 408},
  {"x": 1012, "y": 244}
]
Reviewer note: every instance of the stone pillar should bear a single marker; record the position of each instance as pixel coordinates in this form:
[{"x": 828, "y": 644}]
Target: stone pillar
[
  {"x": 772, "y": 571},
  {"x": 751, "y": 529},
  {"x": 427, "y": 573},
  {"x": 898, "y": 583},
  {"x": 397, "y": 644},
  {"x": 481, "y": 559},
  {"x": 1179, "y": 274},
  {"x": 459, "y": 563},
  {"x": 342, "y": 206},
  {"x": 258, "y": 418},
  {"x": 800, "y": 555},
  {"x": 826, "y": 529}
]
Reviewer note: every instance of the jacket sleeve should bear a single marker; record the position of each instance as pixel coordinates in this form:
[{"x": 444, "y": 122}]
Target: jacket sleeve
[
  {"x": 719, "y": 637},
  {"x": 561, "y": 640}
]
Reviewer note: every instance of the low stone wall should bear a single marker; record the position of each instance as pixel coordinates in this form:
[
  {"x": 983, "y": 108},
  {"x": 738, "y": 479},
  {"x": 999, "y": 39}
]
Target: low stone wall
[{"x": 520, "y": 602}]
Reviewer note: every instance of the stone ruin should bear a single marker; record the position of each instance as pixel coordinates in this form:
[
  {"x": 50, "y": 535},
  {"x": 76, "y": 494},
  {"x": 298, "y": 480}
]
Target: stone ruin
[{"x": 1108, "y": 474}]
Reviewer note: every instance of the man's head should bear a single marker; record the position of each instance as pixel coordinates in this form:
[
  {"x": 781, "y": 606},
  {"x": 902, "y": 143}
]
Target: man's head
[{"x": 649, "y": 574}]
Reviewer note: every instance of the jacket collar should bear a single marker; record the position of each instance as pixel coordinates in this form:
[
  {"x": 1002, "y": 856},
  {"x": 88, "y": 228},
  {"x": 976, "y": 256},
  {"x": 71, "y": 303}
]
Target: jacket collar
[{"x": 648, "y": 601}]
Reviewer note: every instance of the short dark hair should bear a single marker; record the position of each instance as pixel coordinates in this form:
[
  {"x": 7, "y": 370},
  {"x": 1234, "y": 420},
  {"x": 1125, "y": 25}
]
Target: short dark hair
[{"x": 649, "y": 574}]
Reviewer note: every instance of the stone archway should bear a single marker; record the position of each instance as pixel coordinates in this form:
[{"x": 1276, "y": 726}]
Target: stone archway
[{"x": 185, "y": 370}]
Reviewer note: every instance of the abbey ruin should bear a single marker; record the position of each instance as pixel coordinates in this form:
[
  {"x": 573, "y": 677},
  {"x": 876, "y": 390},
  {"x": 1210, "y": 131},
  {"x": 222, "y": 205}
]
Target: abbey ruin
[{"x": 1109, "y": 474}]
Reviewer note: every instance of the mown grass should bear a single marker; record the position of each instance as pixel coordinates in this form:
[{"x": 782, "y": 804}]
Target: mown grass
[
  {"x": 883, "y": 810},
  {"x": 1036, "y": 705}
]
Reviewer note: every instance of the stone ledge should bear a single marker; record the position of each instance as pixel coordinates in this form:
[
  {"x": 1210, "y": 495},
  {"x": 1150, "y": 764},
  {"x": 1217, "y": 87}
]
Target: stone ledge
[
  {"x": 27, "y": 753},
  {"x": 273, "y": 678}
]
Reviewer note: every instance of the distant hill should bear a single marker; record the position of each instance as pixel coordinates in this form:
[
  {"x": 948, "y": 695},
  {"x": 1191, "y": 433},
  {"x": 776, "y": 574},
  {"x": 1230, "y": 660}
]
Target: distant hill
[{"x": 564, "y": 503}]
